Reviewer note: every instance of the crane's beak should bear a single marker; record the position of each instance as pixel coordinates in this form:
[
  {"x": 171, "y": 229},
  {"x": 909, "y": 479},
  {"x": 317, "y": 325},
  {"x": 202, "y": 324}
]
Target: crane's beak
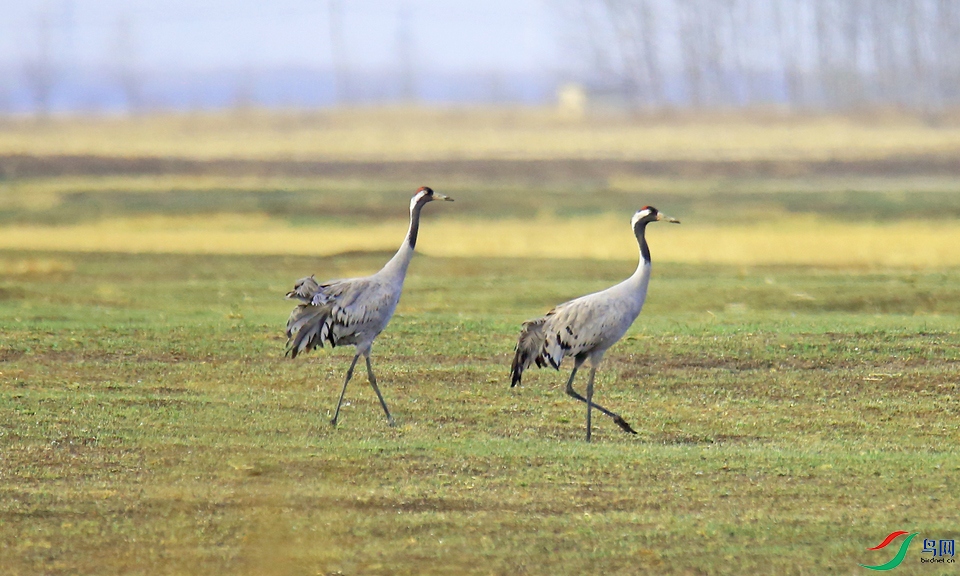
[
  {"x": 437, "y": 196},
  {"x": 666, "y": 218}
]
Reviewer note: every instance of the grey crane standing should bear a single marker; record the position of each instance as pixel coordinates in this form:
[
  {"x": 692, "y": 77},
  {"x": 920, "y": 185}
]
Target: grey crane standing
[
  {"x": 587, "y": 326},
  {"x": 354, "y": 311}
]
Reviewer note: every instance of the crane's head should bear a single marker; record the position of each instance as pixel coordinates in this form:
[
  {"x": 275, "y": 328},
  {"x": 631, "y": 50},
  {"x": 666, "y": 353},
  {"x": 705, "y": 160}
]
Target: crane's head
[
  {"x": 649, "y": 214},
  {"x": 426, "y": 194}
]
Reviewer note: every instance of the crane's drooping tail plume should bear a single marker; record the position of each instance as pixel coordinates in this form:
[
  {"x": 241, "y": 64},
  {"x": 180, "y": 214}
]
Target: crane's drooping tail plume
[
  {"x": 304, "y": 289},
  {"x": 303, "y": 314},
  {"x": 529, "y": 349},
  {"x": 309, "y": 326}
]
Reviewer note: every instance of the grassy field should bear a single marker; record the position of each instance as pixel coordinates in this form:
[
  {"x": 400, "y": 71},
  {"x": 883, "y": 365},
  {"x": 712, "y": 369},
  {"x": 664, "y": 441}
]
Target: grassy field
[
  {"x": 793, "y": 377},
  {"x": 430, "y": 134},
  {"x": 855, "y": 222},
  {"x": 788, "y": 418}
]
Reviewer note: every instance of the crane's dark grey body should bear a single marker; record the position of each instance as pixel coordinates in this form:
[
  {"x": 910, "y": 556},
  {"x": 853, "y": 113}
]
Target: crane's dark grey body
[
  {"x": 356, "y": 310},
  {"x": 586, "y": 327}
]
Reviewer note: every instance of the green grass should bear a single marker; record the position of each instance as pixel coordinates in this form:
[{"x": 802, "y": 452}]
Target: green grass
[
  {"x": 60, "y": 201},
  {"x": 788, "y": 419}
]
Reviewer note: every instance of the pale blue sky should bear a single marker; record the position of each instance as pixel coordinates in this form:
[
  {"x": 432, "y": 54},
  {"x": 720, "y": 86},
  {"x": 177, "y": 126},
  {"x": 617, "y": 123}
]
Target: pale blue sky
[{"x": 507, "y": 35}]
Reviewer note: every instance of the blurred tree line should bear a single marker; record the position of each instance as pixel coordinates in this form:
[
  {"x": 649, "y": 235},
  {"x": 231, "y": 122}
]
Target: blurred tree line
[
  {"x": 635, "y": 54},
  {"x": 832, "y": 54}
]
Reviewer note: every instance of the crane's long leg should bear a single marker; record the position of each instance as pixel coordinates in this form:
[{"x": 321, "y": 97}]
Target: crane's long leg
[
  {"x": 593, "y": 372},
  {"x": 373, "y": 382},
  {"x": 344, "y": 390},
  {"x": 573, "y": 393}
]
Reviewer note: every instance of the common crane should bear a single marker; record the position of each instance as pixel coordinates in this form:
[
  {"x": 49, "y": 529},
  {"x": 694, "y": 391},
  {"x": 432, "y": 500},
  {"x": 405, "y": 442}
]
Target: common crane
[
  {"x": 587, "y": 326},
  {"x": 354, "y": 311}
]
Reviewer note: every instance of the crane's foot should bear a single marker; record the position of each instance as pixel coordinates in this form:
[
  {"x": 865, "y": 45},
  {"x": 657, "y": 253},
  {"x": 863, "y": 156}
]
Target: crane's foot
[
  {"x": 623, "y": 425},
  {"x": 390, "y": 422},
  {"x": 333, "y": 422}
]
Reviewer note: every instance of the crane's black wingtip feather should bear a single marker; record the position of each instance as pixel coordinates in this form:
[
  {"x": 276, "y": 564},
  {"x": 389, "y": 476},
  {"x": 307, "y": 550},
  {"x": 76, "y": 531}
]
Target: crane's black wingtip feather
[
  {"x": 623, "y": 425},
  {"x": 516, "y": 368},
  {"x": 516, "y": 371}
]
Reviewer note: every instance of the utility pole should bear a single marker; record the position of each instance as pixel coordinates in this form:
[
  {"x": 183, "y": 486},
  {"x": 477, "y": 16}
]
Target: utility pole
[
  {"x": 408, "y": 89},
  {"x": 338, "y": 53},
  {"x": 126, "y": 70},
  {"x": 39, "y": 70}
]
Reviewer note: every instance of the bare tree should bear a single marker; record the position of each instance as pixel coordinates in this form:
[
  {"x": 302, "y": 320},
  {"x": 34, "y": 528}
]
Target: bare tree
[
  {"x": 916, "y": 59},
  {"x": 405, "y": 54},
  {"x": 692, "y": 49},
  {"x": 947, "y": 50},
  {"x": 39, "y": 70},
  {"x": 786, "y": 27},
  {"x": 830, "y": 53},
  {"x": 621, "y": 48},
  {"x": 648, "y": 31},
  {"x": 849, "y": 89},
  {"x": 125, "y": 62}
]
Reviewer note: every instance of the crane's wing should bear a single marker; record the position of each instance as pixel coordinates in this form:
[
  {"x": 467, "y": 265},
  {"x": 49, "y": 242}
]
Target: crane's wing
[
  {"x": 564, "y": 331},
  {"x": 337, "y": 312},
  {"x": 570, "y": 329},
  {"x": 588, "y": 323},
  {"x": 548, "y": 339}
]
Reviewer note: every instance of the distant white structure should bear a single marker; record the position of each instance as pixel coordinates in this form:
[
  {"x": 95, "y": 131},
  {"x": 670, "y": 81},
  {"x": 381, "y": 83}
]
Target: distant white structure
[{"x": 572, "y": 100}]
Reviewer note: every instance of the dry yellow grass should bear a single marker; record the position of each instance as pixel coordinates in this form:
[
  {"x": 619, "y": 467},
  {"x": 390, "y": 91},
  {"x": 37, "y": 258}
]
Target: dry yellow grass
[
  {"x": 785, "y": 241},
  {"x": 16, "y": 190},
  {"x": 33, "y": 266},
  {"x": 45, "y": 191},
  {"x": 421, "y": 134},
  {"x": 384, "y": 134}
]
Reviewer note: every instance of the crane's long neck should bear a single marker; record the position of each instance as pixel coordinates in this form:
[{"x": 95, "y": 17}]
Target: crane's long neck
[
  {"x": 642, "y": 275},
  {"x": 398, "y": 264},
  {"x": 411, "y": 239}
]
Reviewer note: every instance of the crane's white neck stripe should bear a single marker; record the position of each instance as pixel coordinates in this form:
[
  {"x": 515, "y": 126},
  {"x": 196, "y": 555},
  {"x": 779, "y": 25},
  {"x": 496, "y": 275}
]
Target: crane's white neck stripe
[
  {"x": 418, "y": 200},
  {"x": 640, "y": 215}
]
